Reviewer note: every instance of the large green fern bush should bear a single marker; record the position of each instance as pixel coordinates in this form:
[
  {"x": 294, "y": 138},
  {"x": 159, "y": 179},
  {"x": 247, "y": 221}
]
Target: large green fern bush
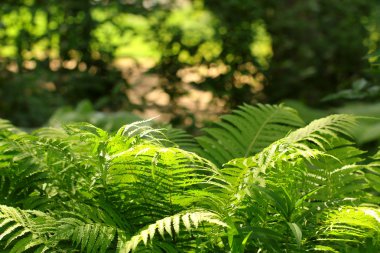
[{"x": 257, "y": 181}]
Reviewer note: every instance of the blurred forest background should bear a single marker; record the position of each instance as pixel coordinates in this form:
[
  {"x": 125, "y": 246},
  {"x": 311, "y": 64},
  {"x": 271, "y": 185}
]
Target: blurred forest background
[{"x": 186, "y": 60}]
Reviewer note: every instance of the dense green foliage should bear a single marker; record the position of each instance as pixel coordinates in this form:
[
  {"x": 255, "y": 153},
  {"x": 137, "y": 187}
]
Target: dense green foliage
[{"x": 258, "y": 181}]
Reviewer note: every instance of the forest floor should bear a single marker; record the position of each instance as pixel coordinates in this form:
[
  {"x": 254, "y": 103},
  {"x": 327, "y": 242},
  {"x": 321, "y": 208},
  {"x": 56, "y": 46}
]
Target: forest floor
[{"x": 145, "y": 89}]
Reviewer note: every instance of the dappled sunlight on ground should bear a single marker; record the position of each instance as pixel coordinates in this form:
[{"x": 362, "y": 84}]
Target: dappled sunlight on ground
[{"x": 145, "y": 89}]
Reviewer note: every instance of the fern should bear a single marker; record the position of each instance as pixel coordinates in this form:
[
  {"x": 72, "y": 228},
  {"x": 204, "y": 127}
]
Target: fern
[
  {"x": 291, "y": 148},
  {"x": 350, "y": 228},
  {"x": 319, "y": 129},
  {"x": 373, "y": 176},
  {"x": 82, "y": 189},
  {"x": 7, "y": 129},
  {"x": 340, "y": 173},
  {"x": 89, "y": 237},
  {"x": 171, "y": 226},
  {"x": 22, "y": 230},
  {"x": 247, "y": 131},
  {"x": 157, "y": 179},
  {"x": 310, "y": 169},
  {"x": 19, "y": 171}
]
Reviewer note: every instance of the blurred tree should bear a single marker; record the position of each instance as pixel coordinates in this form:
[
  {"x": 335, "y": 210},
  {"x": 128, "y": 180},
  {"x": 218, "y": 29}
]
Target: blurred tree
[
  {"x": 221, "y": 39},
  {"x": 70, "y": 68},
  {"x": 236, "y": 33},
  {"x": 181, "y": 37},
  {"x": 52, "y": 52},
  {"x": 318, "y": 46}
]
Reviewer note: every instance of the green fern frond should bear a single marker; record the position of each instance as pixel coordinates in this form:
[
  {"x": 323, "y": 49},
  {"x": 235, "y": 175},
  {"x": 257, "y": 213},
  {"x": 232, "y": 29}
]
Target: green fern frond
[
  {"x": 172, "y": 226},
  {"x": 98, "y": 192},
  {"x": 94, "y": 237},
  {"x": 243, "y": 173},
  {"x": 373, "y": 174},
  {"x": 157, "y": 179},
  {"x": 51, "y": 133},
  {"x": 308, "y": 142},
  {"x": 84, "y": 129},
  {"x": 298, "y": 166},
  {"x": 321, "y": 130},
  {"x": 55, "y": 158},
  {"x": 22, "y": 230},
  {"x": 135, "y": 127},
  {"x": 20, "y": 172},
  {"x": 5, "y": 124},
  {"x": 340, "y": 173},
  {"x": 142, "y": 130},
  {"x": 247, "y": 131},
  {"x": 6, "y": 128},
  {"x": 351, "y": 227}
]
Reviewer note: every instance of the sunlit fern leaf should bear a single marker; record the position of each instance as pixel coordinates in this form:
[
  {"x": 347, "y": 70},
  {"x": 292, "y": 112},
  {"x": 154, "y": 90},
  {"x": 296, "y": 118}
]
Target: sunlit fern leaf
[
  {"x": 84, "y": 129},
  {"x": 49, "y": 162},
  {"x": 308, "y": 142},
  {"x": 321, "y": 130},
  {"x": 20, "y": 171},
  {"x": 6, "y": 128},
  {"x": 322, "y": 248},
  {"x": 377, "y": 155},
  {"x": 22, "y": 230},
  {"x": 142, "y": 130},
  {"x": 149, "y": 181},
  {"x": 247, "y": 131},
  {"x": 340, "y": 173},
  {"x": 331, "y": 177},
  {"x": 350, "y": 228},
  {"x": 122, "y": 239},
  {"x": 54, "y": 157},
  {"x": 5, "y": 124},
  {"x": 297, "y": 190},
  {"x": 50, "y": 133},
  {"x": 93, "y": 237},
  {"x": 135, "y": 127},
  {"x": 138, "y": 182},
  {"x": 242, "y": 173},
  {"x": 171, "y": 226},
  {"x": 68, "y": 166}
]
